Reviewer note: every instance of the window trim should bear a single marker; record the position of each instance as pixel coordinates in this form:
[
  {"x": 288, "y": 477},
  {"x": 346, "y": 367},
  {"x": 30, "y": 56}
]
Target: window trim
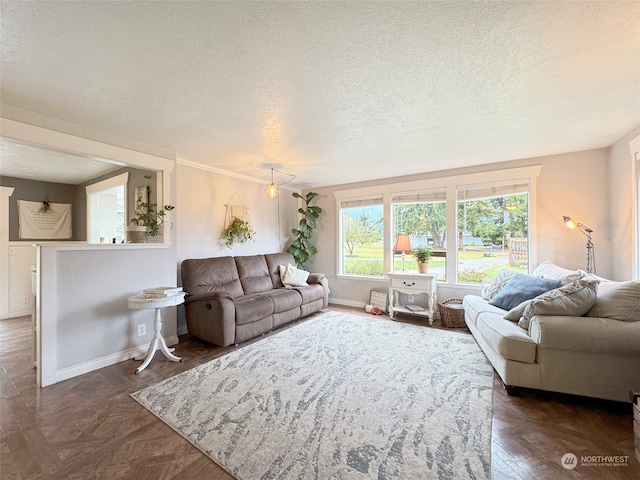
[
  {"x": 374, "y": 201},
  {"x": 450, "y": 183}
]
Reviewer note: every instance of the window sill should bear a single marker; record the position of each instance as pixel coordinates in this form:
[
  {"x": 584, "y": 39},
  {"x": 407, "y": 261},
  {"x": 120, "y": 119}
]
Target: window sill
[
  {"x": 101, "y": 246},
  {"x": 361, "y": 278}
]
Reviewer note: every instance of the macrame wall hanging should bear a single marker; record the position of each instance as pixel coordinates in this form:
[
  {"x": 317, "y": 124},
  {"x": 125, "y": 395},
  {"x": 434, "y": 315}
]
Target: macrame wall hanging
[{"x": 237, "y": 224}]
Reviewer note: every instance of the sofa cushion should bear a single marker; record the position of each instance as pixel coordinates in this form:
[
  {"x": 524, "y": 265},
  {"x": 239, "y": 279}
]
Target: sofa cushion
[
  {"x": 492, "y": 289},
  {"x": 251, "y": 308},
  {"x": 520, "y": 288},
  {"x": 254, "y": 274},
  {"x": 555, "y": 272},
  {"x": 573, "y": 299},
  {"x": 474, "y": 305},
  {"x": 284, "y": 299},
  {"x": 506, "y": 338},
  {"x": 617, "y": 300},
  {"x": 204, "y": 275},
  {"x": 311, "y": 293}
]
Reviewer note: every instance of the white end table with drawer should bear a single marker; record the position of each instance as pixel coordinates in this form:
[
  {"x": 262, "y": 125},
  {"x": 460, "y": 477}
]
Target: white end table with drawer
[{"x": 412, "y": 283}]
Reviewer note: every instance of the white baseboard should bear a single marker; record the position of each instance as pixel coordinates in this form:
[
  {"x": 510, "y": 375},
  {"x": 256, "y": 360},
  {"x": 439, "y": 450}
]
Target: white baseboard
[
  {"x": 347, "y": 303},
  {"x": 90, "y": 366},
  {"x": 22, "y": 313}
]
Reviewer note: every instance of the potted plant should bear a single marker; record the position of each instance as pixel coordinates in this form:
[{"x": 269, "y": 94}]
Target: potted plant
[
  {"x": 301, "y": 247},
  {"x": 422, "y": 256},
  {"x": 238, "y": 231},
  {"x": 148, "y": 218}
]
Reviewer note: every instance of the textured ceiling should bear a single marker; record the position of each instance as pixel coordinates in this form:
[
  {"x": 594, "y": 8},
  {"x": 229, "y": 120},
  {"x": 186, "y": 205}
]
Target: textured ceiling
[
  {"x": 333, "y": 92},
  {"x": 36, "y": 163}
]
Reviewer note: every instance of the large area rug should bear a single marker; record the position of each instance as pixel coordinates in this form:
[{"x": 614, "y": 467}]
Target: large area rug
[{"x": 339, "y": 397}]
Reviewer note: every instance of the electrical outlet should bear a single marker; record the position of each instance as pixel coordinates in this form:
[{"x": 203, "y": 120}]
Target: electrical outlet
[
  {"x": 410, "y": 298},
  {"x": 142, "y": 329},
  {"x": 25, "y": 300}
]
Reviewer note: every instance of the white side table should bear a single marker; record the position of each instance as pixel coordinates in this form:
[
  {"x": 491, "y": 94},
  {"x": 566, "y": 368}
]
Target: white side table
[
  {"x": 412, "y": 283},
  {"x": 157, "y": 343}
]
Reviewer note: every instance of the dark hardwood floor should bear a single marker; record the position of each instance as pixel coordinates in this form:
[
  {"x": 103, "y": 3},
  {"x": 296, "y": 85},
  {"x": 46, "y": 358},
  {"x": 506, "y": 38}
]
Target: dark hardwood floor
[{"x": 88, "y": 427}]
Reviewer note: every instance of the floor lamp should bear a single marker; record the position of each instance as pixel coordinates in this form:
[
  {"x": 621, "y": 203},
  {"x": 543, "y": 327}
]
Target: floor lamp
[{"x": 591, "y": 262}]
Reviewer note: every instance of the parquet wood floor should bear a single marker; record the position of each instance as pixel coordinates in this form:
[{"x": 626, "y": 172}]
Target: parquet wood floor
[{"x": 89, "y": 428}]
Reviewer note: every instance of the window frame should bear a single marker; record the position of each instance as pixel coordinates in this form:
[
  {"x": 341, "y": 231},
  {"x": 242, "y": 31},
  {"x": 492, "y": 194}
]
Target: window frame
[
  {"x": 450, "y": 184},
  {"x": 370, "y": 200}
]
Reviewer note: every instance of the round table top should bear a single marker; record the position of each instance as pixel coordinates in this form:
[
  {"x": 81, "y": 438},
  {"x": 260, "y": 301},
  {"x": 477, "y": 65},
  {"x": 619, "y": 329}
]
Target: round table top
[{"x": 141, "y": 301}]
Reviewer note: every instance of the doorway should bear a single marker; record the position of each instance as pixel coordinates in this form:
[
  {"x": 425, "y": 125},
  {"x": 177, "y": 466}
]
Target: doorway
[{"x": 106, "y": 210}]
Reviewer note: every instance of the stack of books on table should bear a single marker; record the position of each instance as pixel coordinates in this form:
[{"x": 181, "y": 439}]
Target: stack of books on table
[{"x": 161, "y": 292}]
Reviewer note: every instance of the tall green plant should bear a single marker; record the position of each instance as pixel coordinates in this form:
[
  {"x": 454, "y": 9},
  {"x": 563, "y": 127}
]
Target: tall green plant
[{"x": 301, "y": 247}]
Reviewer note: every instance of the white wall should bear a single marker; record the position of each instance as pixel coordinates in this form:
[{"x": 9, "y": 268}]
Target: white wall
[
  {"x": 84, "y": 320},
  {"x": 22, "y": 255},
  {"x": 86, "y": 323},
  {"x": 5, "y": 193},
  {"x": 622, "y": 178},
  {"x": 202, "y": 194},
  {"x": 572, "y": 184}
]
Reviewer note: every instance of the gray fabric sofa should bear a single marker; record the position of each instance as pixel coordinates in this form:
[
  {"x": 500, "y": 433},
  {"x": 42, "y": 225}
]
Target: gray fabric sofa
[
  {"x": 233, "y": 299},
  {"x": 589, "y": 355}
]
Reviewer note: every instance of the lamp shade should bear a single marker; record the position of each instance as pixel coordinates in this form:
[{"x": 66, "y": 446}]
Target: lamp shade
[
  {"x": 403, "y": 244},
  {"x": 568, "y": 221},
  {"x": 272, "y": 190}
]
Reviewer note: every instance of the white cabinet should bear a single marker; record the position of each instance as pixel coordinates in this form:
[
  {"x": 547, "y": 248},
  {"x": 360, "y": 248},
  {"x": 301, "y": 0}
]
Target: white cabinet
[{"x": 412, "y": 293}]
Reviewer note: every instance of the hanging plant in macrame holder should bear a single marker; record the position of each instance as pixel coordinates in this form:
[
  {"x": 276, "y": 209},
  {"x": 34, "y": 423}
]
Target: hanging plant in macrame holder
[{"x": 237, "y": 225}]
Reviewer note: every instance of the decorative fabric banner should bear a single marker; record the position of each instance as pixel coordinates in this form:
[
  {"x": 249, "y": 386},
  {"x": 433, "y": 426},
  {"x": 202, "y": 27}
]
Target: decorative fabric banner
[{"x": 44, "y": 221}]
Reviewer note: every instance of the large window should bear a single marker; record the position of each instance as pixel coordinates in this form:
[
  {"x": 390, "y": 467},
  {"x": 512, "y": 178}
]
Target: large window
[
  {"x": 475, "y": 224},
  {"x": 493, "y": 230},
  {"x": 361, "y": 237},
  {"x": 422, "y": 216}
]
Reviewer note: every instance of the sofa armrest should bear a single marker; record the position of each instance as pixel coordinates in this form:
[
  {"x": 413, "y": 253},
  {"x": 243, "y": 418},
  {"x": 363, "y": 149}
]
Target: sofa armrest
[
  {"x": 315, "y": 278},
  {"x": 211, "y": 316},
  {"x": 592, "y": 334},
  {"x": 208, "y": 296}
]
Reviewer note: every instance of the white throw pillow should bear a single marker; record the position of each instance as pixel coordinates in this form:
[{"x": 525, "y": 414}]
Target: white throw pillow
[
  {"x": 617, "y": 300},
  {"x": 516, "y": 312},
  {"x": 555, "y": 272},
  {"x": 492, "y": 289},
  {"x": 292, "y": 276},
  {"x": 573, "y": 299}
]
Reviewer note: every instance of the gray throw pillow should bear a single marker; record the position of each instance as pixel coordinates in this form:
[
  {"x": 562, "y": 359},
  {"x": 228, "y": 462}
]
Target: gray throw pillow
[
  {"x": 573, "y": 299},
  {"x": 520, "y": 288}
]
